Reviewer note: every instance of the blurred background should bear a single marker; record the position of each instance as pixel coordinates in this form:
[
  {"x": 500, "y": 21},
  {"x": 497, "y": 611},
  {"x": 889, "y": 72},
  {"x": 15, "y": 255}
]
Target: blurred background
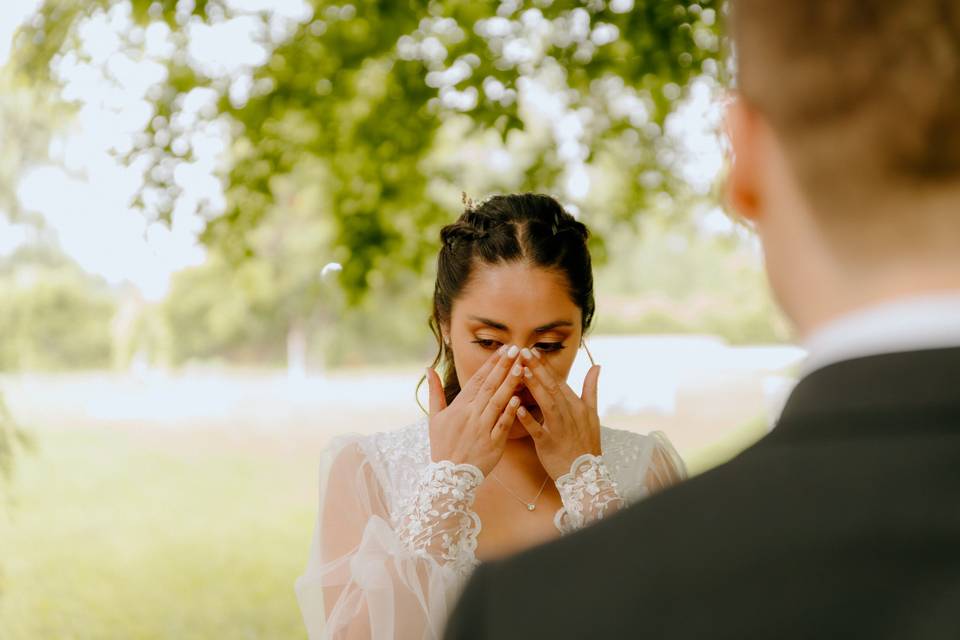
[{"x": 218, "y": 226}]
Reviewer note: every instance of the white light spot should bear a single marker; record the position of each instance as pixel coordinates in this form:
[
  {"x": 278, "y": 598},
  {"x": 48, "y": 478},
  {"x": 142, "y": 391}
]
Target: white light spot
[{"x": 330, "y": 267}]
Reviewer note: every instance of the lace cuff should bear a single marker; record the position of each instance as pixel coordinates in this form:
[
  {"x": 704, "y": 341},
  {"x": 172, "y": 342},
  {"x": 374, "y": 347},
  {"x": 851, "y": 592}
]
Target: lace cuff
[
  {"x": 588, "y": 492},
  {"x": 438, "y": 520}
]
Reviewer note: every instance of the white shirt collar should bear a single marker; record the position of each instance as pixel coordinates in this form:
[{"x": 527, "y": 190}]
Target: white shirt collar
[{"x": 910, "y": 324}]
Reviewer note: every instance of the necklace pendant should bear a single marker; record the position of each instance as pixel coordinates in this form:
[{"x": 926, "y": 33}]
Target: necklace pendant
[{"x": 531, "y": 507}]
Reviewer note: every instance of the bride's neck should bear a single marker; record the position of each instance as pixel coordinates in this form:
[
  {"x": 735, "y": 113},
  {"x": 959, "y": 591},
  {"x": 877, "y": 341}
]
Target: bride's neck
[{"x": 521, "y": 453}]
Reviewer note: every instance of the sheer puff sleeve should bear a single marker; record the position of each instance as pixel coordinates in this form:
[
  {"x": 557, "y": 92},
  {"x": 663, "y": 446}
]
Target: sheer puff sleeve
[
  {"x": 666, "y": 467},
  {"x": 380, "y": 572}
]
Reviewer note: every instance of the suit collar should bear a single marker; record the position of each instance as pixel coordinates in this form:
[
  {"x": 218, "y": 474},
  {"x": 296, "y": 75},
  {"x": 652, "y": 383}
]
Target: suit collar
[
  {"x": 889, "y": 383},
  {"x": 914, "y": 323}
]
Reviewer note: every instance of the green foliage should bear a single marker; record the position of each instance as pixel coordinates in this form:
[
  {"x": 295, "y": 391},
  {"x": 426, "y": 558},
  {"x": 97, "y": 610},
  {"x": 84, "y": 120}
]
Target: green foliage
[
  {"x": 214, "y": 312},
  {"x": 359, "y": 132},
  {"x": 52, "y": 315},
  {"x": 244, "y": 310},
  {"x": 389, "y": 326},
  {"x": 363, "y": 91},
  {"x": 675, "y": 278},
  {"x": 664, "y": 275}
]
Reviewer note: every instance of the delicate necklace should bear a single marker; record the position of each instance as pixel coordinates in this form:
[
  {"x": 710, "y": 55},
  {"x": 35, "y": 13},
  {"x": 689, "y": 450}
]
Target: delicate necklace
[{"x": 529, "y": 505}]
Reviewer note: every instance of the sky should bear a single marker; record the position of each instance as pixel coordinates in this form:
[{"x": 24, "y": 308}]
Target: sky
[
  {"x": 12, "y": 14},
  {"x": 84, "y": 194}
]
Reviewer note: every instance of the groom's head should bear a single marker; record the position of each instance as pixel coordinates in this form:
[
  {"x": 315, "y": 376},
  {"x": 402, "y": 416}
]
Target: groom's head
[{"x": 846, "y": 137}]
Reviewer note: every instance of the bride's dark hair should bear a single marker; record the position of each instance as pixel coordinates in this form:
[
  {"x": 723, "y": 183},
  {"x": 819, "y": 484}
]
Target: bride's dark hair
[{"x": 525, "y": 227}]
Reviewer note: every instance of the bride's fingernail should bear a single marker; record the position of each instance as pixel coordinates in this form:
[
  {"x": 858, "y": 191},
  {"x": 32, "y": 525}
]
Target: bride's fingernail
[
  {"x": 526, "y": 353},
  {"x": 514, "y": 350},
  {"x": 521, "y": 412},
  {"x": 514, "y": 401},
  {"x": 527, "y": 373},
  {"x": 501, "y": 350},
  {"x": 517, "y": 370}
]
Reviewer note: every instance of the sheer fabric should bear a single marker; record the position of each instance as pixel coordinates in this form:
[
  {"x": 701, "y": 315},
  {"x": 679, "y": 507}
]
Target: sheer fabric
[
  {"x": 436, "y": 521},
  {"x": 396, "y": 534}
]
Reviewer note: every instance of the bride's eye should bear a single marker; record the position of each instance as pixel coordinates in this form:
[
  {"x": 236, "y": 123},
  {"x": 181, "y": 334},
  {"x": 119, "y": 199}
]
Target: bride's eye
[
  {"x": 487, "y": 344},
  {"x": 549, "y": 347}
]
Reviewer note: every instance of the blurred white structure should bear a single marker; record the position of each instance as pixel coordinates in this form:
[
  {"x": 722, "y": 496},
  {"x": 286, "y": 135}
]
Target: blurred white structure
[
  {"x": 642, "y": 375},
  {"x": 646, "y": 373}
]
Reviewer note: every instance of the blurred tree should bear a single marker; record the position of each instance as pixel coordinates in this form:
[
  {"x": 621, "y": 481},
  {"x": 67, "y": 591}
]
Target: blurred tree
[
  {"x": 675, "y": 276},
  {"x": 214, "y": 311},
  {"x": 249, "y": 310},
  {"x": 52, "y": 314},
  {"x": 367, "y": 91},
  {"x": 27, "y": 120}
]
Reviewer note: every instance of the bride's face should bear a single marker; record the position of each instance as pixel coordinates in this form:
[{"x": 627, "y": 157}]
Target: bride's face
[{"x": 515, "y": 304}]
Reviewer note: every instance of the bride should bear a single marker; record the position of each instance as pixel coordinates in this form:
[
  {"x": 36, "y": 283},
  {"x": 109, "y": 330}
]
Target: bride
[{"x": 510, "y": 456}]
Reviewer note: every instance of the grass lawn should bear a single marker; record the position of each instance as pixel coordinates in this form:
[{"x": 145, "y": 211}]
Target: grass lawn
[
  {"x": 120, "y": 533},
  {"x": 182, "y": 531}
]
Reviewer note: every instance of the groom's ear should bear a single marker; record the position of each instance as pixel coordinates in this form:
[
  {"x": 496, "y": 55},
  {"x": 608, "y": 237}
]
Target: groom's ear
[{"x": 745, "y": 129}]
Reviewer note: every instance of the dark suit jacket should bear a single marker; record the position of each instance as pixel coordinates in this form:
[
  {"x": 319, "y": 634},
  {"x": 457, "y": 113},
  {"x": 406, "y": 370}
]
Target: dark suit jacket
[{"x": 843, "y": 522}]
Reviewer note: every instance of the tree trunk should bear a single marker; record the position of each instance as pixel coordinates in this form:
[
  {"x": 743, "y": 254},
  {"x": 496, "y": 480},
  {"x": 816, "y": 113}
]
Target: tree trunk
[{"x": 297, "y": 350}]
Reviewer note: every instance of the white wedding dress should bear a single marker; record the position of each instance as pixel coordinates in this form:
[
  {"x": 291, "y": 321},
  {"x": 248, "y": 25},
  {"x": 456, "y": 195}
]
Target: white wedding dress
[{"x": 396, "y": 533}]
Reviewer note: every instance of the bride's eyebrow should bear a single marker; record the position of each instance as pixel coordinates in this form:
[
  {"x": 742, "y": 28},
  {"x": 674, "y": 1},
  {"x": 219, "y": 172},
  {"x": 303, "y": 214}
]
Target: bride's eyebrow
[
  {"x": 493, "y": 324},
  {"x": 502, "y": 327},
  {"x": 553, "y": 325}
]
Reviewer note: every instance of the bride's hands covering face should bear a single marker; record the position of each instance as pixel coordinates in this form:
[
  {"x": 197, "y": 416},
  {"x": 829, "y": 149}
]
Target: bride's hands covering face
[
  {"x": 527, "y": 306},
  {"x": 475, "y": 427},
  {"x": 571, "y": 424}
]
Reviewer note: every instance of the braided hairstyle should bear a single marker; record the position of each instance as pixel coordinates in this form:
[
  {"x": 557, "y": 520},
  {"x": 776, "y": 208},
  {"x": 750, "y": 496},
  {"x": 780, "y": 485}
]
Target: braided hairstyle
[{"x": 525, "y": 227}]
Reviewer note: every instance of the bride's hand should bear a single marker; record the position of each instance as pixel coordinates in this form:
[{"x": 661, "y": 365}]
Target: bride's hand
[
  {"x": 474, "y": 428},
  {"x": 571, "y": 425}
]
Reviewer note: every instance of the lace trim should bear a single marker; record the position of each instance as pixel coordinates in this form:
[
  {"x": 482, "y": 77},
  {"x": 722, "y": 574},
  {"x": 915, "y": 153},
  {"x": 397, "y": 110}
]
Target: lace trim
[
  {"x": 588, "y": 492},
  {"x": 438, "y": 520}
]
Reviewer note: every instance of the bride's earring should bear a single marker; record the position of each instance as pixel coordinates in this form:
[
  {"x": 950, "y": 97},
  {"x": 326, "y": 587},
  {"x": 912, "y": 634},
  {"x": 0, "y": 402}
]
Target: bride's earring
[{"x": 583, "y": 343}]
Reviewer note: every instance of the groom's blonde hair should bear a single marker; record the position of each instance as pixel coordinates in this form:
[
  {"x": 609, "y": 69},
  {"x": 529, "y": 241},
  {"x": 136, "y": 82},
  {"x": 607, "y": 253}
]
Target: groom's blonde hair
[{"x": 865, "y": 97}]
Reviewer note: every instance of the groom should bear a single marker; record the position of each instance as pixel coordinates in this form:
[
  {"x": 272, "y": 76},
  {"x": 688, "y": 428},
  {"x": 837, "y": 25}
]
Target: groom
[{"x": 844, "y": 522}]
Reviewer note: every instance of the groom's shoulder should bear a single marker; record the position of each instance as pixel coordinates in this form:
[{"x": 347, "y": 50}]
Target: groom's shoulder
[
  {"x": 798, "y": 503},
  {"x": 638, "y": 555},
  {"x": 669, "y": 548},
  {"x": 683, "y": 521},
  {"x": 675, "y": 517}
]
